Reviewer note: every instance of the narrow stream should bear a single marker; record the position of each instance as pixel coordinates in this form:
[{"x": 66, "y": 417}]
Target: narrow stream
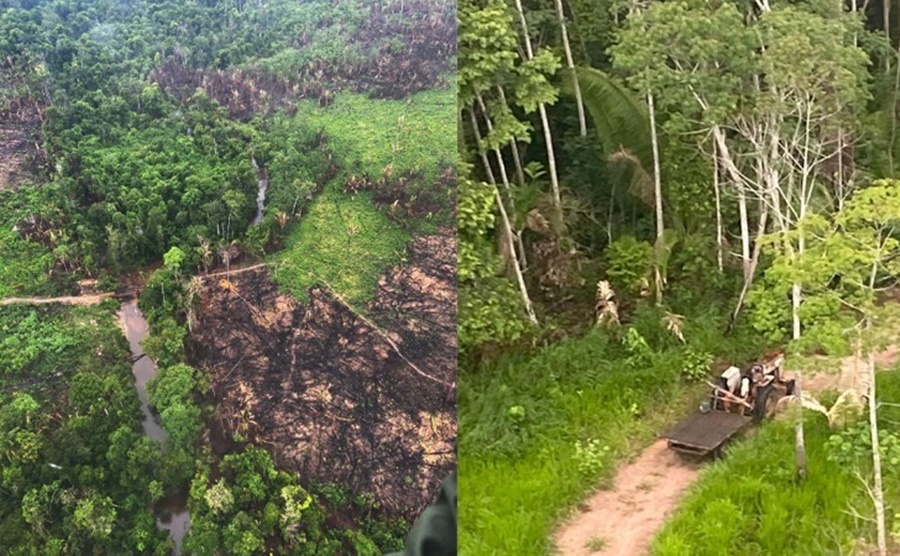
[
  {"x": 171, "y": 512},
  {"x": 263, "y": 178}
]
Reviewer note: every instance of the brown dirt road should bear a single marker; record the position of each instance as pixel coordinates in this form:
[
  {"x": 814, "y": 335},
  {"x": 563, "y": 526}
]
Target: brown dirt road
[
  {"x": 68, "y": 300},
  {"x": 624, "y": 520}
]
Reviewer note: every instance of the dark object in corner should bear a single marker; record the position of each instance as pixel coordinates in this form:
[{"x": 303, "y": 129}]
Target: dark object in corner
[{"x": 434, "y": 533}]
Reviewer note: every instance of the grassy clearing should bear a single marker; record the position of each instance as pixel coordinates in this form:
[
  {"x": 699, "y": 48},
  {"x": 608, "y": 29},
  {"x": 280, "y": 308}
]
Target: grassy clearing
[
  {"x": 344, "y": 241},
  {"x": 416, "y": 133},
  {"x": 751, "y": 504},
  {"x": 522, "y": 418}
]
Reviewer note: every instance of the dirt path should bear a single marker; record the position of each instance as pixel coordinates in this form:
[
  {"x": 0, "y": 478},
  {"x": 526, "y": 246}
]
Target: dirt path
[
  {"x": 235, "y": 270},
  {"x": 624, "y": 520},
  {"x": 69, "y": 300}
]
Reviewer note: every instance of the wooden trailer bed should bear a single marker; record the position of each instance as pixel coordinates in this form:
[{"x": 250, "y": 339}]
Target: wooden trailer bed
[{"x": 703, "y": 433}]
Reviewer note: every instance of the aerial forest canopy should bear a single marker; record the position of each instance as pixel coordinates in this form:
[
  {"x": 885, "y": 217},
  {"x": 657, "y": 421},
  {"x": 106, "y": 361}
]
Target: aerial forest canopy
[
  {"x": 275, "y": 183},
  {"x": 649, "y": 190},
  {"x": 149, "y": 119}
]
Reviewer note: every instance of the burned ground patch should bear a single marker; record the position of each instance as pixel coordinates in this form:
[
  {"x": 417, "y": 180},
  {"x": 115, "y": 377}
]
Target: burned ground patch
[
  {"x": 324, "y": 388},
  {"x": 17, "y": 152}
]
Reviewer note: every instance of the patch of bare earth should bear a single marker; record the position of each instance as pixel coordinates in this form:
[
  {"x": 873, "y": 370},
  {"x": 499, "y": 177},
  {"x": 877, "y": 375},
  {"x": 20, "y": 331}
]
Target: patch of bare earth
[
  {"x": 325, "y": 391},
  {"x": 624, "y": 519},
  {"x": 847, "y": 373},
  {"x": 17, "y": 148}
]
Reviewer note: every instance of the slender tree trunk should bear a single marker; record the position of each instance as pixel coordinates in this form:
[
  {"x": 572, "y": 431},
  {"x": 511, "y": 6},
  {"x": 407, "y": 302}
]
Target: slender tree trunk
[
  {"x": 657, "y": 192},
  {"x": 481, "y": 151},
  {"x": 894, "y": 117},
  {"x": 886, "y": 12},
  {"x": 878, "y": 490},
  {"x": 799, "y": 437},
  {"x": 506, "y": 232},
  {"x": 545, "y": 123},
  {"x": 582, "y": 122},
  {"x": 731, "y": 168},
  {"x": 719, "y": 232},
  {"x": 514, "y": 145},
  {"x": 520, "y": 251},
  {"x": 754, "y": 261},
  {"x": 523, "y": 289}
]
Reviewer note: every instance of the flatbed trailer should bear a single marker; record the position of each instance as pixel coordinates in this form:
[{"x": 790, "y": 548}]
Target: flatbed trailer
[{"x": 704, "y": 433}]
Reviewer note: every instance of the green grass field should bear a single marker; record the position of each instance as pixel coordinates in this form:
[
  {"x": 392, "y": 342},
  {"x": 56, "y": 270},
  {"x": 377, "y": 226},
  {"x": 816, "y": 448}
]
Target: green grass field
[
  {"x": 417, "y": 133},
  {"x": 520, "y": 421},
  {"x": 750, "y": 503},
  {"x": 343, "y": 241}
]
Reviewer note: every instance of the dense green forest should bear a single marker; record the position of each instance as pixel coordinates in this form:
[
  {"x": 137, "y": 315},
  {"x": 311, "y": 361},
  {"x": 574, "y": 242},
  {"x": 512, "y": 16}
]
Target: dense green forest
[
  {"x": 147, "y": 144},
  {"x": 649, "y": 192}
]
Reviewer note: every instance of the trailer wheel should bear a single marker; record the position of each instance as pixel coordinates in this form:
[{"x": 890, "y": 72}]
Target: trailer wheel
[{"x": 762, "y": 402}]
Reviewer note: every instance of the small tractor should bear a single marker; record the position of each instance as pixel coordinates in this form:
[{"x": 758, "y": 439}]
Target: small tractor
[{"x": 739, "y": 398}]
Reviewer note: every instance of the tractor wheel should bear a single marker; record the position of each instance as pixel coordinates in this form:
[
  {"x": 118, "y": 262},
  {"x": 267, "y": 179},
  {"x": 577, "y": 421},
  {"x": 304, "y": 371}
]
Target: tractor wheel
[{"x": 761, "y": 402}]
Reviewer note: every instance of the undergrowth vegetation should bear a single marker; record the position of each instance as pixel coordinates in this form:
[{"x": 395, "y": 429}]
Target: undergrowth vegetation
[
  {"x": 538, "y": 431},
  {"x": 751, "y": 502},
  {"x": 26, "y": 262}
]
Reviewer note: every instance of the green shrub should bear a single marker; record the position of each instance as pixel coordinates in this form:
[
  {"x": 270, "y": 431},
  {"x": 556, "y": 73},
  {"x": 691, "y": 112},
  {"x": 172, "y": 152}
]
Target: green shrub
[{"x": 628, "y": 262}]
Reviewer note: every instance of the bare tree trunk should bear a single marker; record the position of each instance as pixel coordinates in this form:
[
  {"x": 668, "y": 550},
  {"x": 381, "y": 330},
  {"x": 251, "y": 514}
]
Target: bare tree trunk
[
  {"x": 507, "y": 228},
  {"x": 520, "y": 252},
  {"x": 523, "y": 289},
  {"x": 657, "y": 192},
  {"x": 545, "y": 123},
  {"x": 514, "y": 145},
  {"x": 886, "y": 12},
  {"x": 482, "y": 153},
  {"x": 582, "y": 122},
  {"x": 719, "y": 232},
  {"x": 738, "y": 181},
  {"x": 878, "y": 490},
  {"x": 799, "y": 437},
  {"x": 754, "y": 261}
]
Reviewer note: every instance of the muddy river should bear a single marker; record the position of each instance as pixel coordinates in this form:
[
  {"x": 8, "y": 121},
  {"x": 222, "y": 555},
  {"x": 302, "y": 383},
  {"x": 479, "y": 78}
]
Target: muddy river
[
  {"x": 262, "y": 186},
  {"x": 171, "y": 513}
]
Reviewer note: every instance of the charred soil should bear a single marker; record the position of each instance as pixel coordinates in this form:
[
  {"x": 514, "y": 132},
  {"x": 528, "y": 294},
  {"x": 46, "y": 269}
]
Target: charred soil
[{"x": 324, "y": 390}]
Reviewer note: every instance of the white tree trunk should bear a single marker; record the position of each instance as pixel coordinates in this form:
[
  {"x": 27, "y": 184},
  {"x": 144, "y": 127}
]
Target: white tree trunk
[
  {"x": 877, "y": 491},
  {"x": 545, "y": 123},
  {"x": 523, "y": 289},
  {"x": 514, "y": 145},
  {"x": 799, "y": 437},
  {"x": 719, "y": 231},
  {"x": 657, "y": 192},
  {"x": 582, "y": 122},
  {"x": 795, "y": 311},
  {"x": 507, "y": 228},
  {"x": 754, "y": 261},
  {"x": 504, "y": 177}
]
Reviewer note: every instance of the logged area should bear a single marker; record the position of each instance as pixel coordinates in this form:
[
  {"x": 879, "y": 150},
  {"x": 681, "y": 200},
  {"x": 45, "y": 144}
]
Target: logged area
[
  {"x": 364, "y": 399},
  {"x": 227, "y": 275}
]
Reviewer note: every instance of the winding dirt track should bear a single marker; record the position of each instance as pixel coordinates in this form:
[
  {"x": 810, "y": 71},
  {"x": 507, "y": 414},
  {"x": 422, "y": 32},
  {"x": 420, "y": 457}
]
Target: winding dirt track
[
  {"x": 624, "y": 520},
  {"x": 68, "y": 300},
  {"x": 94, "y": 299}
]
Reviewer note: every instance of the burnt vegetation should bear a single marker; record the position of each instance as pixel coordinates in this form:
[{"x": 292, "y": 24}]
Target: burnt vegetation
[{"x": 323, "y": 386}]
